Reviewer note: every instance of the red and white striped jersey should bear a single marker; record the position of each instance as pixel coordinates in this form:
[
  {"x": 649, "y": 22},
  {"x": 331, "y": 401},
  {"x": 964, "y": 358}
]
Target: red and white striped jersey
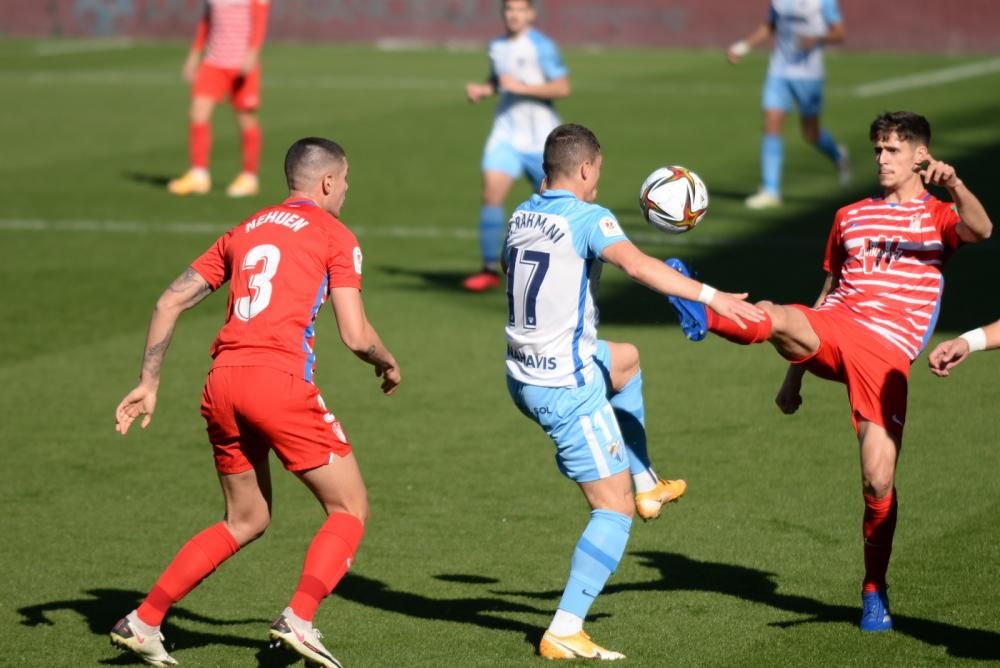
[
  {"x": 229, "y": 28},
  {"x": 888, "y": 258}
]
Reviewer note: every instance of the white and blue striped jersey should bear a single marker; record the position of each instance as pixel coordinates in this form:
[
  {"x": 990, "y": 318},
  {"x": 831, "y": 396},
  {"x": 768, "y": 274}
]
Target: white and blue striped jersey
[
  {"x": 553, "y": 255},
  {"x": 791, "y": 20},
  {"x": 525, "y": 122}
]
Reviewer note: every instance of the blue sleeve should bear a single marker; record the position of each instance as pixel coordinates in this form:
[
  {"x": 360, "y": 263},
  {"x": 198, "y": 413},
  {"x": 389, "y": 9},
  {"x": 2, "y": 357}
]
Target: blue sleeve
[
  {"x": 831, "y": 12},
  {"x": 772, "y": 15},
  {"x": 549, "y": 57},
  {"x": 602, "y": 230}
]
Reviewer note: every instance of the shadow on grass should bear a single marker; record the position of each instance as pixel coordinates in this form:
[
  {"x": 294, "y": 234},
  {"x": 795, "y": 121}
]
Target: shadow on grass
[
  {"x": 101, "y": 608},
  {"x": 446, "y": 281},
  {"x": 158, "y": 181},
  {"x": 486, "y": 612},
  {"x": 680, "y": 573}
]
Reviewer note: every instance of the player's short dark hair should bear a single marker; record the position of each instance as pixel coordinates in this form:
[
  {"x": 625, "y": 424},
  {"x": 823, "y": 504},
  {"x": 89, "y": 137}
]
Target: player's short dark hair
[
  {"x": 907, "y": 125},
  {"x": 566, "y": 148},
  {"x": 308, "y": 155},
  {"x": 503, "y": 3}
]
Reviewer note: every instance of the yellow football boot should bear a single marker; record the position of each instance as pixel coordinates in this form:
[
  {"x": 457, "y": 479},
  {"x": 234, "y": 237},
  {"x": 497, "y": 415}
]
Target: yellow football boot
[
  {"x": 577, "y": 646},
  {"x": 244, "y": 185},
  {"x": 193, "y": 182},
  {"x": 649, "y": 504}
]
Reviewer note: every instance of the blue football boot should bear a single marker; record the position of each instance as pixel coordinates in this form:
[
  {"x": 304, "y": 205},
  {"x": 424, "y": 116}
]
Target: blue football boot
[
  {"x": 875, "y": 611},
  {"x": 692, "y": 314}
]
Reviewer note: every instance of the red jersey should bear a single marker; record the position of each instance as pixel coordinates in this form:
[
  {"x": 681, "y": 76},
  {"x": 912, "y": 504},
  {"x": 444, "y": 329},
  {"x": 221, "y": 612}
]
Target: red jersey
[
  {"x": 888, "y": 258},
  {"x": 281, "y": 264},
  {"x": 230, "y": 28}
]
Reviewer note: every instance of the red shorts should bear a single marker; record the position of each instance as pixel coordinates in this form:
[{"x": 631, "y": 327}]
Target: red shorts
[
  {"x": 876, "y": 374},
  {"x": 218, "y": 83},
  {"x": 252, "y": 409}
]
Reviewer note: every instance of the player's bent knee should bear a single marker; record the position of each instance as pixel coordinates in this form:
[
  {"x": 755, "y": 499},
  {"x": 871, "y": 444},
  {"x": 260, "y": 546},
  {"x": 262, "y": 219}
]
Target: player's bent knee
[{"x": 248, "y": 529}]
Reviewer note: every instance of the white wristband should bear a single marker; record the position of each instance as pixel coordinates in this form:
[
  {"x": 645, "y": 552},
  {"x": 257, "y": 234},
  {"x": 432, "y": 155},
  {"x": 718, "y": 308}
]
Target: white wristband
[
  {"x": 740, "y": 48},
  {"x": 976, "y": 339},
  {"x": 706, "y": 294}
]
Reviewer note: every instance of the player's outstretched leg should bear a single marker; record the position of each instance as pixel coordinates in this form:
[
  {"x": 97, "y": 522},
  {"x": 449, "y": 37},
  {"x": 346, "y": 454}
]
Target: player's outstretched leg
[
  {"x": 693, "y": 315},
  {"x": 131, "y": 634},
  {"x": 595, "y": 558},
  {"x": 697, "y": 319}
]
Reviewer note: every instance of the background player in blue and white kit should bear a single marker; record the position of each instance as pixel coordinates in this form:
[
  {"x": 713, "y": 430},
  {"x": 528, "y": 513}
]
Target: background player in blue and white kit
[
  {"x": 585, "y": 393},
  {"x": 801, "y": 28},
  {"x": 527, "y": 72}
]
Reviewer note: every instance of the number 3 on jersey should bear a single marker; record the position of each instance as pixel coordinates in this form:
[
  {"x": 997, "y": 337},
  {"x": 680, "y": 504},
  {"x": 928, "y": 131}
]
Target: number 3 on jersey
[
  {"x": 260, "y": 283},
  {"x": 521, "y": 297}
]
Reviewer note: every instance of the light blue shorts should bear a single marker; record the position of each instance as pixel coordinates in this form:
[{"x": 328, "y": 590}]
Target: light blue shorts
[
  {"x": 806, "y": 94},
  {"x": 581, "y": 423},
  {"x": 503, "y": 157}
]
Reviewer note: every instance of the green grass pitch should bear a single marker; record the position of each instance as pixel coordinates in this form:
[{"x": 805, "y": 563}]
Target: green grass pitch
[{"x": 472, "y": 526}]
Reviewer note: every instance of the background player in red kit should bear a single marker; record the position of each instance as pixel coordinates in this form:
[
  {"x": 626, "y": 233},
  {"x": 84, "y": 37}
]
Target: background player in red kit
[
  {"x": 281, "y": 263},
  {"x": 230, "y": 35},
  {"x": 874, "y": 315}
]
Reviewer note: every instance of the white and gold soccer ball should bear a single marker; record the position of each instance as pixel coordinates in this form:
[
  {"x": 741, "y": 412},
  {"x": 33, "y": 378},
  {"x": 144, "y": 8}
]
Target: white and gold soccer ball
[{"x": 673, "y": 199}]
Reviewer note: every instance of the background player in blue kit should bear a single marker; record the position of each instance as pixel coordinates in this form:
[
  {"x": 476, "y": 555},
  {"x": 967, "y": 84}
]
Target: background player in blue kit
[
  {"x": 528, "y": 73},
  {"x": 801, "y": 28},
  {"x": 586, "y": 394}
]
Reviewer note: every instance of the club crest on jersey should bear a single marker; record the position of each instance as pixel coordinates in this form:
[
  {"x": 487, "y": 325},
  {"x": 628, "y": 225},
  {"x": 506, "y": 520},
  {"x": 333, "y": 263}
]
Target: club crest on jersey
[
  {"x": 609, "y": 227},
  {"x": 878, "y": 254}
]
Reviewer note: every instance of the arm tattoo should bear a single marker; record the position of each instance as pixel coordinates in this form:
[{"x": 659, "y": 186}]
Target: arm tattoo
[
  {"x": 152, "y": 360},
  {"x": 191, "y": 284}
]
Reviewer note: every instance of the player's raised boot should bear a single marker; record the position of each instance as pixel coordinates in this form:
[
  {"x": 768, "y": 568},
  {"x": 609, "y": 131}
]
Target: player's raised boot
[
  {"x": 304, "y": 641},
  {"x": 194, "y": 181},
  {"x": 763, "y": 199},
  {"x": 844, "y": 167},
  {"x": 244, "y": 185},
  {"x": 875, "y": 611},
  {"x": 692, "y": 314},
  {"x": 649, "y": 504},
  {"x": 149, "y": 648},
  {"x": 577, "y": 646},
  {"x": 484, "y": 281}
]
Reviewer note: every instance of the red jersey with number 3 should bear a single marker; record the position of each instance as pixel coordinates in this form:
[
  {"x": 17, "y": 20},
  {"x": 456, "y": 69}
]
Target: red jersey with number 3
[
  {"x": 281, "y": 264},
  {"x": 888, "y": 258}
]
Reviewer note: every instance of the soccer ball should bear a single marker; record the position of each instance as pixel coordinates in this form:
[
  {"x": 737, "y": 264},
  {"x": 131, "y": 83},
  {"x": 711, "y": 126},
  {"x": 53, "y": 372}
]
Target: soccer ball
[{"x": 673, "y": 199}]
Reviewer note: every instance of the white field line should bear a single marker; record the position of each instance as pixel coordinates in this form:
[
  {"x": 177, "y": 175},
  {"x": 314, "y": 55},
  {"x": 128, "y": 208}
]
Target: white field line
[
  {"x": 929, "y": 78},
  {"x": 72, "y": 47},
  {"x": 391, "y": 232}
]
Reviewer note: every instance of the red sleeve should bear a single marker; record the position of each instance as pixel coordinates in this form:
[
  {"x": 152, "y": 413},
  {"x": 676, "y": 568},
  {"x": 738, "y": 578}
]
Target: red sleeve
[
  {"x": 201, "y": 32},
  {"x": 213, "y": 265},
  {"x": 343, "y": 265},
  {"x": 833, "y": 261},
  {"x": 258, "y": 22},
  {"x": 946, "y": 220}
]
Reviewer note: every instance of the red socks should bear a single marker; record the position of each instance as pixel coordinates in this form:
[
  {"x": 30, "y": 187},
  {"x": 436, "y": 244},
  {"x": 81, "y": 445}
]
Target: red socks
[
  {"x": 200, "y": 144},
  {"x": 756, "y": 332},
  {"x": 196, "y": 560},
  {"x": 251, "y": 142},
  {"x": 327, "y": 561},
  {"x": 878, "y": 529}
]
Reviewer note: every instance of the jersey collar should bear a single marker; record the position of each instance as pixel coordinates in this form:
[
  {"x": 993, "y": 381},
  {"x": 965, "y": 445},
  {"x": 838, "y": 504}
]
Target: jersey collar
[{"x": 553, "y": 194}]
